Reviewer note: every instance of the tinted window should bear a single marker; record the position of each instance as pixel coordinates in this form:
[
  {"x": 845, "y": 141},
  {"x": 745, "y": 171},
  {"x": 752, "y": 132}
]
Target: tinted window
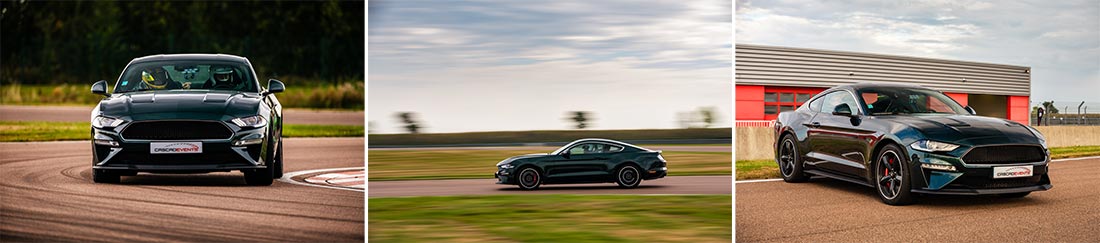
[
  {"x": 831, "y": 100},
  {"x": 590, "y": 148},
  {"x": 883, "y": 101},
  {"x": 803, "y": 97},
  {"x": 182, "y": 75},
  {"x": 770, "y": 109},
  {"x": 816, "y": 104}
]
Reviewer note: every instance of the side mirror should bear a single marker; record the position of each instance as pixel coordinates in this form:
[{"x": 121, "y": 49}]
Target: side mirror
[
  {"x": 274, "y": 86},
  {"x": 842, "y": 110},
  {"x": 970, "y": 110},
  {"x": 565, "y": 154},
  {"x": 100, "y": 88}
]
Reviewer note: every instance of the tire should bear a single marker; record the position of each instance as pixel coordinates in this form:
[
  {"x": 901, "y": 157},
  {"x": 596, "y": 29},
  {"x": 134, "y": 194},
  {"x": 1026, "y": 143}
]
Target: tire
[
  {"x": 892, "y": 182},
  {"x": 628, "y": 176},
  {"x": 1014, "y": 195},
  {"x": 260, "y": 177},
  {"x": 278, "y": 173},
  {"x": 529, "y": 178},
  {"x": 790, "y": 161},
  {"x": 103, "y": 176}
]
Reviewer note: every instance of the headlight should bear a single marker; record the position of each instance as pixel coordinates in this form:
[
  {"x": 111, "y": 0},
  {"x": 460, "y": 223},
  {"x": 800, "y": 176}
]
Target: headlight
[
  {"x": 506, "y": 166},
  {"x": 105, "y": 122},
  {"x": 933, "y": 146},
  {"x": 251, "y": 121}
]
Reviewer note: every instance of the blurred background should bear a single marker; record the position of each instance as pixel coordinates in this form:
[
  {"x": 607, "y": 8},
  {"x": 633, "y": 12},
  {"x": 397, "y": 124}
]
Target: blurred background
[{"x": 53, "y": 51}]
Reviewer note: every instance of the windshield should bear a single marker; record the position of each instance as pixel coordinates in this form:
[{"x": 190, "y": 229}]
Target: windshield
[
  {"x": 186, "y": 75},
  {"x": 889, "y": 101}
]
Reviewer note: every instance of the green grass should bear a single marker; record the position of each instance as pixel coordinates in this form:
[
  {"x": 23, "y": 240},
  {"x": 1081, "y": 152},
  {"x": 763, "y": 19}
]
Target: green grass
[
  {"x": 546, "y": 136},
  {"x": 765, "y": 169},
  {"x": 444, "y": 163},
  {"x": 551, "y": 218},
  {"x": 344, "y": 94},
  {"x": 20, "y": 131}
]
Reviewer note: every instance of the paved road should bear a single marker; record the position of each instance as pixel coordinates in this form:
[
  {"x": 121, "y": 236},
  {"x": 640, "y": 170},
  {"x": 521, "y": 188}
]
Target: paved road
[
  {"x": 683, "y": 148},
  {"x": 81, "y": 114},
  {"x": 46, "y": 195},
  {"x": 830, "y": 210},
  {"x": 667, "y": 185}
]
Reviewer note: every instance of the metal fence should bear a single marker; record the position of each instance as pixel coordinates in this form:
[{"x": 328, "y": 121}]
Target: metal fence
[{"x": 1069, "y": 120}]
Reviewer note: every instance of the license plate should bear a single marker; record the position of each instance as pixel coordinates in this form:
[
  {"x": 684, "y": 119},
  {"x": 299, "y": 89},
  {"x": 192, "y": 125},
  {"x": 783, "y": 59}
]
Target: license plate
[
  {"x": 176, "y": 148},
  {"x": 1012, "y": 171}
]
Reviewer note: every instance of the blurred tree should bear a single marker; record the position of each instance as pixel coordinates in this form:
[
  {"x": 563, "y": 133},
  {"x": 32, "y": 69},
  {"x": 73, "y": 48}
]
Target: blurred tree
[
  {"x": 1048, "y": 106},
  {"x": 580, "y": 118},
  {"x": 707, "y": 116},
  {"x": 411, "y": 125},
  {"x": 704, "y": 117}
]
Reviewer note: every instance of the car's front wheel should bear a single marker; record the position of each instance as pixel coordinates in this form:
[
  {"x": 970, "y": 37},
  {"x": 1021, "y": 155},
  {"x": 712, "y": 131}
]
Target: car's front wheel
[
  {"x": 892, "y": 176},
  {"x": 628, "y": 177},
  {"x": 529, "y": 178},
  {"x": 104, "y": 176},
  {"x": 790, "y": 161}
]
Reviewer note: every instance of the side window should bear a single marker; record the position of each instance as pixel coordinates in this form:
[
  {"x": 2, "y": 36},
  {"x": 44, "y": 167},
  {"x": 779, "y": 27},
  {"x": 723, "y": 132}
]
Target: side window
[
  {"x": 579, "y": 148},
  {"x": 816, "y": 104},
  {"x": 588, "y": 148},
  {"x": 833, "y": 99},
  {"x": 613, "y": 148}
]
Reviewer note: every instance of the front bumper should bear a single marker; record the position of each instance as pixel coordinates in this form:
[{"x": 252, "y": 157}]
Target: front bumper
[
  {"x": 504, "y": 176},
  {"x": 975, "y": 179},
  {"x": 217, "y": 154}
]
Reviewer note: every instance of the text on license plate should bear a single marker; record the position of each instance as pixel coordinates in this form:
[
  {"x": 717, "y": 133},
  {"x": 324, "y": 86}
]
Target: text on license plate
[
  {"x": 175, "y": 148},
  {"x": 1012, "y": 171}
]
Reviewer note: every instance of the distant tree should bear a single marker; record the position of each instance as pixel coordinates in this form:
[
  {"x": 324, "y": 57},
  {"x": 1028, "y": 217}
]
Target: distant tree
[
  {"x": 1048, "y": 106},
  {"x": 704, "y": 117},
  {"x": 581, "y": 118},
  {"x": 707, "y": 116},
  {"x": 411, "y": 125}
]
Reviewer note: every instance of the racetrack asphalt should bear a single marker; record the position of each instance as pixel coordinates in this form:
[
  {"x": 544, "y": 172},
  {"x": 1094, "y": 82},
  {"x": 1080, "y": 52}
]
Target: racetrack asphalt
[
  {"x": 83, "y": 114},
  {"x": 46, "y": 194},
  {"x": 826, "y": 210},
  {"x": 665, "y": 186}
]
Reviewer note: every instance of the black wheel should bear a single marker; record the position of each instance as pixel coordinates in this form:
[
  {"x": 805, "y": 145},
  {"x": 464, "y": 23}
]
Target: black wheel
[
  {"x": 892, "y": 176},
  {"x": 279, "y": 161},
  {"x": 628, "y": 176},
  {"x": 529, "y": 178},
  {"x": 1014, "y": 195},
  {"x": 790, "y": 161},
  {"x": 260, "y": 177},
  {"x": 103, "y": 176}
]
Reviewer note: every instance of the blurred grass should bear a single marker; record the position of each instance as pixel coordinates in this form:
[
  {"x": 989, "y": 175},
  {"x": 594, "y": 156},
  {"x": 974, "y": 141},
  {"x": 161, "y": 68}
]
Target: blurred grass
[
  {"x": 443, "y": 163},
  {"x": 766, "y": 169},
  {"x": 546, "y": 136},
  {"x": 551, "y": 218},
  {"x": 22, "y": 131},
  {"x": 343, "y": 94}
]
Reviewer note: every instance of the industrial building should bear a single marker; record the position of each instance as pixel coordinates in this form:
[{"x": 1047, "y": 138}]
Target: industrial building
[{"x": 770, "y": 79}]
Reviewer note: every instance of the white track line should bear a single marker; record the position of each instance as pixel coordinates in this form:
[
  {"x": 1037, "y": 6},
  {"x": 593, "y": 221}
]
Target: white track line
[
  {"x": 1056, "y": 160},
  {"x": 287, "y": 176}
]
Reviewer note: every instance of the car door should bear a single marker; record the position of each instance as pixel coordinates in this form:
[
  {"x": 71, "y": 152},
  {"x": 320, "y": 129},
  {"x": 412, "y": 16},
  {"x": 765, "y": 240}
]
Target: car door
[
  {"x": 837, "y": 142},
  {"x": 581, "y": 162}
]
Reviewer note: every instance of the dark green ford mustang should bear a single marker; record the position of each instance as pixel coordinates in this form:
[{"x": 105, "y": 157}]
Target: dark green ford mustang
[
  {"x": 589, "y": 160},
  {"x": 187, "y": 113},
  {"x": 906, "y": 140}
]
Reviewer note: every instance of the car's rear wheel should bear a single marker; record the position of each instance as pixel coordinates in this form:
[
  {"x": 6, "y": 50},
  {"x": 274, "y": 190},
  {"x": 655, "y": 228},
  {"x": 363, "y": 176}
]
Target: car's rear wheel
[
  {"x": 104, "y": 176},
  {"x": 529, "y": 178},
  {"x": 892, "y": 176},
  {"x": 628, "y": 177},
  {"x": 790, "y": 161},
  {"x": 1014, "y": 195}
]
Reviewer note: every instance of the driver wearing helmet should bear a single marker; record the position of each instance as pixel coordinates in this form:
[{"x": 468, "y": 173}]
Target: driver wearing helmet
[
  {"x": 225, "y": 78},
  {"x": 157, "y": 78}
]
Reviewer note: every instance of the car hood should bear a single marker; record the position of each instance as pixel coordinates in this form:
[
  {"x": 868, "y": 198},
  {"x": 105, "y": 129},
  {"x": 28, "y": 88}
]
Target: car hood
[
  {"x": 514, "y": 158},
  {"x": 967, "y": 129},
  {"x": 203, "y": 105}
]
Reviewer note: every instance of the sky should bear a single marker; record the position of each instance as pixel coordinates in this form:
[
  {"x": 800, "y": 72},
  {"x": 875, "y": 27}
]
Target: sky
[
  {"x": 466, "y": 66},
  {"x": 1059, "y": 40}
]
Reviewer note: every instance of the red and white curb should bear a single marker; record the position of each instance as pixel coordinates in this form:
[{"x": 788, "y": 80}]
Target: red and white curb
[{"x": 351, "y": 178}]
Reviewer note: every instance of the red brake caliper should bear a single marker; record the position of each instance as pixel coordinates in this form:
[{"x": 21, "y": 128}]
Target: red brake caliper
[{"x": 887, "y": 172}]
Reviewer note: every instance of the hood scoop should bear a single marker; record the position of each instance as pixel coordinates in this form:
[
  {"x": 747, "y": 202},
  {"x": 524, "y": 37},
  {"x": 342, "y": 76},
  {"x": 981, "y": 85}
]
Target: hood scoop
[
  {"x": 215, "y": 98},
  {"x": 143, "y": 98},
  {"x": 955, "y": 123}
]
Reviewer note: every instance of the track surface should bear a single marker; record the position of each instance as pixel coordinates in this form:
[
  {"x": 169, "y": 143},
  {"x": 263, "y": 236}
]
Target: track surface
[
  {"x": 82, "y": 113},
  {"x": 46, "y": 195},
  {"x": 667, "y": 185},
  {"x": 831, "y": 210}
]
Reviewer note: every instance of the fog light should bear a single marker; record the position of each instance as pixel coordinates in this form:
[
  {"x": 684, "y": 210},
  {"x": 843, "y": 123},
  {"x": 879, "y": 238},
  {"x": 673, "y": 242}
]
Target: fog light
[
  {"x": 111, "y": 143},
  {"x": 938, "y": 167}
]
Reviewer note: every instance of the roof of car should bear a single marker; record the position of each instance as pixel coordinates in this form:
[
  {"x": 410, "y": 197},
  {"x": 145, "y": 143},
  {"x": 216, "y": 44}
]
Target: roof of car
[
  {"x": 607, "y": 141},
  {"x": 191, "y": 56}
]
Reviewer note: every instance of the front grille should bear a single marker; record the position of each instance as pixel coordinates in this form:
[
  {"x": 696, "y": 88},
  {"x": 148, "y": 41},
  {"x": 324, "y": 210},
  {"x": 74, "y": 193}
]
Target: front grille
[
  {"x": 176, "y": 130},
  {"x": 1007, "y": 154},
  {"x": 975, "y": 182}
]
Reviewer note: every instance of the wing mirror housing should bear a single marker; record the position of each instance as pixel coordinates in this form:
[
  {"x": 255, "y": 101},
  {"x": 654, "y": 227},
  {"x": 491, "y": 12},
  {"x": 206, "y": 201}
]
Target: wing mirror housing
[
  {"x": 843, "y": 110},
  {"x": 565, "y": 154},
  {"x": 273, "y": 86},
  {"x": 100, "y": 88},
  {"x": 970, "y": 110}
]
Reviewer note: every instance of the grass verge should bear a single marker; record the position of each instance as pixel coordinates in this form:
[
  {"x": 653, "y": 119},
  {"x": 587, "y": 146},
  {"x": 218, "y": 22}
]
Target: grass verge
[
  {"x": 766, "y": 169},
  {"x": 21, "y": 131},
  {"x": 551, "y": 218},
  {"x": 413, "y": 164}
]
